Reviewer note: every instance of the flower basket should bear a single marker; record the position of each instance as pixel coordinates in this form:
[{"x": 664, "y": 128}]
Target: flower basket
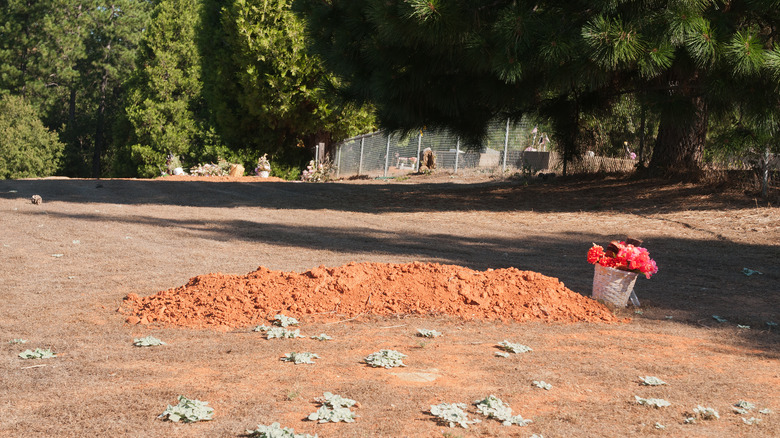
[
  {"x": 613, "y": 285},
  {"x": 263, "y": 174}
]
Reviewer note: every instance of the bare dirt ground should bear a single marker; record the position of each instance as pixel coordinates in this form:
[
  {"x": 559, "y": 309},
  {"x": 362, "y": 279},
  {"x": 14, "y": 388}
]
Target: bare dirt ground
[{"x": 67, "y": 265}]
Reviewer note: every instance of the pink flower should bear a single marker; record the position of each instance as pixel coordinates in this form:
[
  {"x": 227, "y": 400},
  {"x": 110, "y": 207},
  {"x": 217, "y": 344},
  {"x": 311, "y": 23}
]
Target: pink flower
[{"x": 623, "y": 256}]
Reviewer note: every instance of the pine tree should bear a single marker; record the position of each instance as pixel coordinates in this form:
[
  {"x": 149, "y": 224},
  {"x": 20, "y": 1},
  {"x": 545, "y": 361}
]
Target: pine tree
[
  {"x": 458, "y": 64},
  {"x": 114, "y": 32}
]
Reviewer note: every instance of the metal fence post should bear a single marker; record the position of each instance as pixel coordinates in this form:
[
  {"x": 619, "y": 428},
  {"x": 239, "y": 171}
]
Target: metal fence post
[
  {"x": 506, "y": 145},
  {"x": 360, "y": 165},
  {"x": 419, "y": 144},
  {"x": 387, "y": 155},
  {"x": 457, "y": 154},
  {"x": 338, "y": 161}
]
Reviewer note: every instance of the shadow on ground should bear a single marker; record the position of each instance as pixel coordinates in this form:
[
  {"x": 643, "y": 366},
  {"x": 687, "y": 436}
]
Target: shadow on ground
[{"x": 645, "y": 196}]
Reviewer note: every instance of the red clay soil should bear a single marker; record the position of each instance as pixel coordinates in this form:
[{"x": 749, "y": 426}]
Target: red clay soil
[{"x": 222, "y": 301}]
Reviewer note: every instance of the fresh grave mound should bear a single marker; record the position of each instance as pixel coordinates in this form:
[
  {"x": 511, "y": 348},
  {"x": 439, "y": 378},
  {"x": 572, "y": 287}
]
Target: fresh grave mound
[{"x": 229, "y": 301}]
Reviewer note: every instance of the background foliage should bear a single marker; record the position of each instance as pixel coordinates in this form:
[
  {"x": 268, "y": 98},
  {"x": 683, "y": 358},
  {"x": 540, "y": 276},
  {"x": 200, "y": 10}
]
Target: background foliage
[
  {"x": 127, "y": 84},
  {"x": 27, "y": 148}
]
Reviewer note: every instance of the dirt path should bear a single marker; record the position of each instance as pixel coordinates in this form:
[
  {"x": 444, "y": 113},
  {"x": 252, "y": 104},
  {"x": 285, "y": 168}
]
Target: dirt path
[{"x": 68, "y": 263}]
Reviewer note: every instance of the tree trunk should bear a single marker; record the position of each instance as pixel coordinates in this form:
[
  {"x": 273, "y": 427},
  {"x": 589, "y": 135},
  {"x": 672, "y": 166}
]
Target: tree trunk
[
  {"x": 72, "y": 107},
  {"x": 312, "y": 140},
  {"x": 99, "y": 130},
  {"x": 679, "y": 146}
]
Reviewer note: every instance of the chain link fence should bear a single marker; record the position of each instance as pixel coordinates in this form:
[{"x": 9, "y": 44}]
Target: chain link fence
[{"x": 508, "y": 147}]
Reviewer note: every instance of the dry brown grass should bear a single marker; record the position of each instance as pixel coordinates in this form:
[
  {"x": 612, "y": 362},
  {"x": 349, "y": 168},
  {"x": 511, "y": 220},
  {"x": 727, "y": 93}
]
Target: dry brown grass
[{"x": 145, "y": 236}]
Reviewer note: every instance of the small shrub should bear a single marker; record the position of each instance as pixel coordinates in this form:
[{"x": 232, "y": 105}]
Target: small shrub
[
  {"x": 322, "y": 337},
  {"x": 17, "y": 341},
  {"x": 27, "y": 148}
]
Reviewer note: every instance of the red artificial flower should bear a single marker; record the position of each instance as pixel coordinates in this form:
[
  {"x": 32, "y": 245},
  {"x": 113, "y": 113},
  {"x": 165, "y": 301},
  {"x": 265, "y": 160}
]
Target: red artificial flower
[
  {"x": 595, "y": 254},
  {"x": 623, "y": 256}
]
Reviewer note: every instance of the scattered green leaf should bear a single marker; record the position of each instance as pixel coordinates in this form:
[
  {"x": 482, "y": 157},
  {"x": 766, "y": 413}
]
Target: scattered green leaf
[
  {"x": 718, "y": 318},
  {"x": 282, "y": 333},
  {"x": 386, "y": 359},
  {"x": 452, "y": 414},
  {"x": 285, "y": 321},
  {"x": 276, "y": 431},
  {"x": 492, "y": 407},
  {"x": 542, "y": 384},
  {"x": 744, "y": 405},
  {"x": 513, "y": 348},
  {"x": 38, "y": 353},
  {"x": 299, "y": 358},
  {"x": 17, "y": 341},
  {"x": 705, "y": 413},
  {"x": 188, "y": 411},
  {"x": 751, "y": 421},
  {"x": 149, "y": 341},
  {"x": 502, "y": 354},
  {"x": 654, "y": 402},
  {"x": 651, "y": 381},
  {"x": 425, "y": 333},
  {"x": 322, "y": 337},
  {"x": 334, "y": 409}
]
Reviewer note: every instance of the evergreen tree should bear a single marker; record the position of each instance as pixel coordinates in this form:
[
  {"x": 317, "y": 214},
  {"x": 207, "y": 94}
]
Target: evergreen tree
[
  {"x": 458, "y": 64},
  {"x": 115, "y": 30},
  {"x": 164, "y": 95},
  {"x": 41, "y": 44},
  {"x": 265, "y": 91}
]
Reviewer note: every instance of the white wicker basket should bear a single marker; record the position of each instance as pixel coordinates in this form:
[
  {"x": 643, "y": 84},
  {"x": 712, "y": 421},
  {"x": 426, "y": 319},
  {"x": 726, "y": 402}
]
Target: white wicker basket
[{"x": 613, "y": 285}]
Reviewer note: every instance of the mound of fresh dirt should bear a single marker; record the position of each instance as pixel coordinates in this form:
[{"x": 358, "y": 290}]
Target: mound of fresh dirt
[{"x": 227, "y": 301}]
